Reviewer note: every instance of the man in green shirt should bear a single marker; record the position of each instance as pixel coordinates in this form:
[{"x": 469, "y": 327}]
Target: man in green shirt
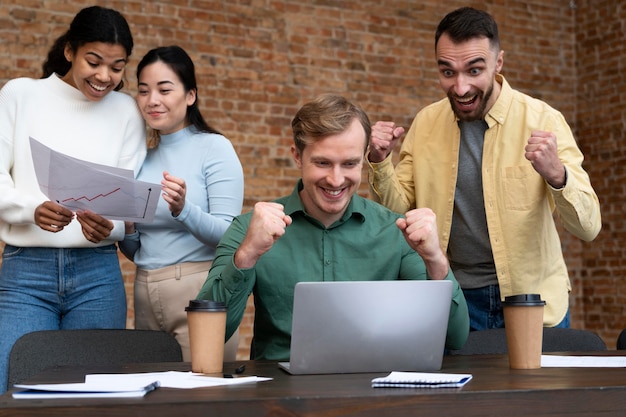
[{"x": 323, "y": 231}]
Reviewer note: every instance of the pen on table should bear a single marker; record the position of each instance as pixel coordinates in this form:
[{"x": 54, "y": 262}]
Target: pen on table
[
  {"x": 238, "y": 371},
  {"x": 152, "y": 386}
]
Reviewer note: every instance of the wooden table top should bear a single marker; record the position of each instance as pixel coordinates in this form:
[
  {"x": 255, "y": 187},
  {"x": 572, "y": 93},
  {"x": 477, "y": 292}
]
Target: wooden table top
[{"x": 494, "y": 390}]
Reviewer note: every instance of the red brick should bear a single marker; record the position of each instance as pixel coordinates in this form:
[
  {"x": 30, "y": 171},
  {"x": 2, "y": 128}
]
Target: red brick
[{"x": 257, "y": 62}]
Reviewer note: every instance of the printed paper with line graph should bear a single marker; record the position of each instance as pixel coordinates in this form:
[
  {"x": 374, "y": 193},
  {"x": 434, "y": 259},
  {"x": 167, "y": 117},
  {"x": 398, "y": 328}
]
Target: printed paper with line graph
[{"x": 80, "y": 185}]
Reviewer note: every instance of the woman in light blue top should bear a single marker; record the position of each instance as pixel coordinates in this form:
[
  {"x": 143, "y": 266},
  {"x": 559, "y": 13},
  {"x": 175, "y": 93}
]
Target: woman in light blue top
[{"x": 202, "y": 183}]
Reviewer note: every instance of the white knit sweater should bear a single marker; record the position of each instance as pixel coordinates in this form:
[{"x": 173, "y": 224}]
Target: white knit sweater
[{"x": 109, "y": 132}]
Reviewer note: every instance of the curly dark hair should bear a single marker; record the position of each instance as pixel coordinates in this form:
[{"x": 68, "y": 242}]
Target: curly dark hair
[{"x": 91, "y": 24}]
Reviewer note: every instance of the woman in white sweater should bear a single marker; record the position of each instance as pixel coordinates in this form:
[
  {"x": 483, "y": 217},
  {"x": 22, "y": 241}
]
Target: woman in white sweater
[{"x": 60, "y": 269}]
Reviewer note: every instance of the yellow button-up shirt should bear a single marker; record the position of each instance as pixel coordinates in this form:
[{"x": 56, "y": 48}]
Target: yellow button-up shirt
[{"x": 518, "y": 202}]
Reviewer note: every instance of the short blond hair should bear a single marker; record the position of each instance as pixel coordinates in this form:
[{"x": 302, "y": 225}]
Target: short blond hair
[{"x": 327, "y": 115}]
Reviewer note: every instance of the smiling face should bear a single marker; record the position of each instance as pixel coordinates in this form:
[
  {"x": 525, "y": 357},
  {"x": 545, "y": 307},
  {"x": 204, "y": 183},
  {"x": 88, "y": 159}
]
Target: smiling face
[
  {"x": 467, "y": 72},
  {"x": 162, "y": 98},
  {"x": 331, "y": 172},
  {"x": 97, "y": 68}
]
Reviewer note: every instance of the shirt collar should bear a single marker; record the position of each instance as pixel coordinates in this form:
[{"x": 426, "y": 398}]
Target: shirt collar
[
  {"x": 293, "y": 205},
  {"x": 501, "y": 107}
]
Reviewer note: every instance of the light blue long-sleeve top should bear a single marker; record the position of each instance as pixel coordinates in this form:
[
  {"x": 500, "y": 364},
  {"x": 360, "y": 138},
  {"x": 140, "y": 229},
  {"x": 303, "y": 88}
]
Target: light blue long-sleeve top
[{"x": 212, "y": 172}]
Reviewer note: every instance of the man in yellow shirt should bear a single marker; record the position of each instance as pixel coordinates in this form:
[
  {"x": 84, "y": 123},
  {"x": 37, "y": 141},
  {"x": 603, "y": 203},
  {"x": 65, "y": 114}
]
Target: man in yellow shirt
[{"x": 493, "y": 164}]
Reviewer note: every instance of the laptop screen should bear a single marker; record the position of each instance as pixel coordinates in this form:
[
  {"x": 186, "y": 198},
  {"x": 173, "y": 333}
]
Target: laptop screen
[{"x": 369, "y": 326}]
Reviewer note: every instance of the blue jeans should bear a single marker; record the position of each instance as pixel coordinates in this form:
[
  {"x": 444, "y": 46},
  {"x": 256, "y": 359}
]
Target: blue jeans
[
  {"x": 49, "y": 289},
  {"x": 485, "y": 309}
]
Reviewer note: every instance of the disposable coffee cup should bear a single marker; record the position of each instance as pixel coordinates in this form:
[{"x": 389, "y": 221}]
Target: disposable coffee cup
[
  {"x": 207, "y": 330},
  {"x": 523, "y": 322}
]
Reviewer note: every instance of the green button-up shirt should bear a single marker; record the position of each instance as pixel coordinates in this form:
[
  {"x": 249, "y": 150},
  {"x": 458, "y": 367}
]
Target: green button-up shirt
[{"x": 364, "y": 245}]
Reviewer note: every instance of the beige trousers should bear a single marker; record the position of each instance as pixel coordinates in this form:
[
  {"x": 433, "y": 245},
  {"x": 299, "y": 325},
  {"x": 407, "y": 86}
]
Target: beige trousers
[{"x": 161, "y": 296}]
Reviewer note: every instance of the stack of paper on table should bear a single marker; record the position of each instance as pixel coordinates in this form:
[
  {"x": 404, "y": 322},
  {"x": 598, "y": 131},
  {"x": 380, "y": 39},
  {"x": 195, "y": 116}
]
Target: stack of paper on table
[
  {"x": 128, "y": 385},
  {"x": 85, "y": 390},
  {"x": 570, "y": 361}
]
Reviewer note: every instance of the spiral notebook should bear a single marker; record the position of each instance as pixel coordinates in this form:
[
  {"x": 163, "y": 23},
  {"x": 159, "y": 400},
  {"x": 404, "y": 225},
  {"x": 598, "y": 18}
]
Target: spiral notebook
[{"x": 421, "y": 380}]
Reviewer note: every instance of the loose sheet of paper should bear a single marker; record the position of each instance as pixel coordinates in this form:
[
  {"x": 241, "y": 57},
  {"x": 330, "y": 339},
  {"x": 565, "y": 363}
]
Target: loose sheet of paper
[
  {"x": 108, "y": 191},
  {"x": 555, "y": 361},
  {"x": 173, "y": 379}
]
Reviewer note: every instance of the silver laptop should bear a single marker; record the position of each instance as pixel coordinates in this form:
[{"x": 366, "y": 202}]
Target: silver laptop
[{"x": 368, "y": 326}]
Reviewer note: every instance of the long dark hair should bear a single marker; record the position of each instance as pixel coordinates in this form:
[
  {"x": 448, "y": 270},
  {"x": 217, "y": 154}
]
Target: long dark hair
[
  {"x": 179, "y": 61},
  {"x": 91, "y": 24}
]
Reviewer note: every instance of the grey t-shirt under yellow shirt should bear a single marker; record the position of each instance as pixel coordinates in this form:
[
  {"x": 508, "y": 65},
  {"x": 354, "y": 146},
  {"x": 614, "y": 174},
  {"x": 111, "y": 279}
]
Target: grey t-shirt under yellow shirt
[{"x": 469, "y": 250}]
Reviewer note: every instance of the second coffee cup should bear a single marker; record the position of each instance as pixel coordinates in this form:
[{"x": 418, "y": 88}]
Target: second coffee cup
[
  {"x": 523, "y": 322},
  {"x": 207, "y": 329}
]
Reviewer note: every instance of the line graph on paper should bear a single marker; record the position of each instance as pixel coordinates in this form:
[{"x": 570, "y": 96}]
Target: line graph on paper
[
  {"x": 131, "y": 200},
  {"x": 80, "y": 185},
  {"x": 84, "y": 197}
]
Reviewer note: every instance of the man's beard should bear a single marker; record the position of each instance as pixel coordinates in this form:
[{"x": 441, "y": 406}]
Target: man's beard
[{"x": 479, "y": 113}]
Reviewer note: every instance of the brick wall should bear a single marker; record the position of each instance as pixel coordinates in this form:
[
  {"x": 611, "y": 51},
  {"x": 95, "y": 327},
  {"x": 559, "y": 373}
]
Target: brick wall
[
  {"x": 258, "y": 61},
  {"x": 600, "y": 122}
]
